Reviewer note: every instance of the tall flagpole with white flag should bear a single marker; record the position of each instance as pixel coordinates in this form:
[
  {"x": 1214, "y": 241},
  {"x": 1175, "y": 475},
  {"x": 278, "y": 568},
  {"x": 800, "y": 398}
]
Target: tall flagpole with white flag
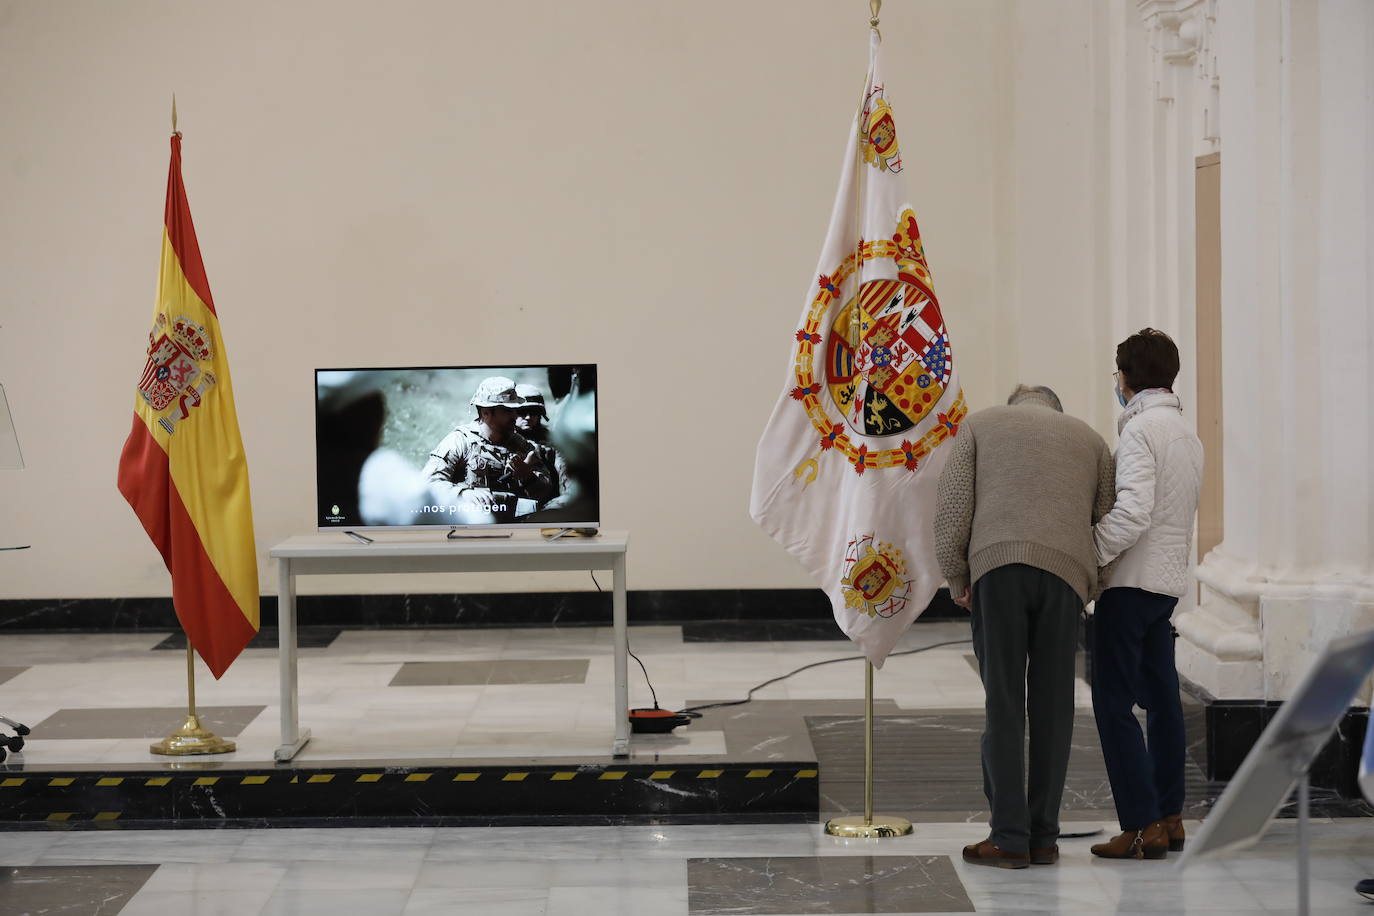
[{"x": 846, "y": 471}]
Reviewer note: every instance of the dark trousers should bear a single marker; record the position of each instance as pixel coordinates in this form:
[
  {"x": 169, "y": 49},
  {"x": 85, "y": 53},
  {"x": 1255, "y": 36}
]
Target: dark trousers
[
  {"x": 1133, "y": 664},
  {"x": 1025, "y": 633}
]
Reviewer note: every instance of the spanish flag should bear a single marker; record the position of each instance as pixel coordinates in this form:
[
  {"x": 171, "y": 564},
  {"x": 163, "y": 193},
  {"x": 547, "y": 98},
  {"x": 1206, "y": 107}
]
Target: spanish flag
[{"x": 183, "y": 469}]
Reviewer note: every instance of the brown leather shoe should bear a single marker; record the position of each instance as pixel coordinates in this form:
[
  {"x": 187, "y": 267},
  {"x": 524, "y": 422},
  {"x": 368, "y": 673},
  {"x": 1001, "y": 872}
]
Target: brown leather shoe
[
  {"x": 1174, "y": 823},
  {"x": 1047, "y": 856},
  {"x": 988, "y": 853},
  {"x": 1150, "y": 842}
]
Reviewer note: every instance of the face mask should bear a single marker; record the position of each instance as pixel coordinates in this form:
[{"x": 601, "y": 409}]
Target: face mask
[{"x": 1121, "y": 398}]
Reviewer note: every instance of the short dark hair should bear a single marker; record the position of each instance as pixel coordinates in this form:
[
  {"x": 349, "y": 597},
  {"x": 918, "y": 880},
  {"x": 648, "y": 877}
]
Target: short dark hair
[{"x": 1148, "y": 359}]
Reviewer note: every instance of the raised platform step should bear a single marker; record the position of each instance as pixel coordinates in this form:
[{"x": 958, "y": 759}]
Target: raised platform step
[{"x": 202, "y": 793}]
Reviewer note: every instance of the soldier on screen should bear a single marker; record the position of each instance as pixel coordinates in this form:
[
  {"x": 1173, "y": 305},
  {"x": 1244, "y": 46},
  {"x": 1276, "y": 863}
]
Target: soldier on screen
[
  {"x": 486, "y": 465},
  {"x": 530, "y": 417}
]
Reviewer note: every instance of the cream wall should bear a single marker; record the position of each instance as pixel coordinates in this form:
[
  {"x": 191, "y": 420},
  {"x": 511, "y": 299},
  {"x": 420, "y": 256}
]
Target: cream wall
[{"x": 643, "y": 185}]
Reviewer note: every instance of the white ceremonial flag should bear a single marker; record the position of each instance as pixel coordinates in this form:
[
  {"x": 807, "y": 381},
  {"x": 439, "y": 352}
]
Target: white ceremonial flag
[{"x": 846, "y": 469}]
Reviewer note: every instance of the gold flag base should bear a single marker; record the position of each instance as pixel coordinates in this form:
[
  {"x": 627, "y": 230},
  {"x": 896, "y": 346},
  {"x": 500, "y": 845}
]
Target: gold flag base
[
  {"x": 192, "y": 738},
  {"x": 877, "y": 827}
]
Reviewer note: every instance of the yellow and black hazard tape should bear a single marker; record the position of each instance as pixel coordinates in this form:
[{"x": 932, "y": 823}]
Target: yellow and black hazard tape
[
  {"x": 107, "y": 799},
  {"x": 490, "y": 775}
]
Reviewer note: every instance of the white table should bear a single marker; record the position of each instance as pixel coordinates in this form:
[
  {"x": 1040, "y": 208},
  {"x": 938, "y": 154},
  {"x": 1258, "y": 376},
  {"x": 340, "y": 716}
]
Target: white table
[{"x": 425, "y": 552}]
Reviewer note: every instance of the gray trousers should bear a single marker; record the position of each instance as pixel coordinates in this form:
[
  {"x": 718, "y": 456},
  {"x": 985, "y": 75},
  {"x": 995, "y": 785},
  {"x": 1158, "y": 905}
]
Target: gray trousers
[{"x": 1025, "y": 633}]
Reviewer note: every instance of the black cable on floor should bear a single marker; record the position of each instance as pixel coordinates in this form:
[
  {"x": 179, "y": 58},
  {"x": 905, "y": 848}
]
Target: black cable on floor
[
  {"x": 749, "y": 697},
  {"x": 695, "y": 711},
  {"x": 632, "y": 655}
]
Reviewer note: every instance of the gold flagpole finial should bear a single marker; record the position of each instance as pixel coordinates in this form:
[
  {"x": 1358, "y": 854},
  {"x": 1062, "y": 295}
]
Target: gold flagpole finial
[
  {"x": 174, "y": 112},
  {"x": 875, "y": 6}
]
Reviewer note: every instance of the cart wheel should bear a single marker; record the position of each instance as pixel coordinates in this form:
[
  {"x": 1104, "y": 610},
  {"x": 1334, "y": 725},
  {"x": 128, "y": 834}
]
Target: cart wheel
[
  {"x": 16, "y": 743},
  {"x": 2, "y": 755},
  {"x": 21, "y": 729}
]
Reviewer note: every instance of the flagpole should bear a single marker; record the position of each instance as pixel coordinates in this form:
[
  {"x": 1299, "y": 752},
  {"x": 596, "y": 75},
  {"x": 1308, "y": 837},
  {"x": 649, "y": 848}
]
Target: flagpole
[
  {"x": 869, "y": 826},
  {"x": 192, "y": 737}
]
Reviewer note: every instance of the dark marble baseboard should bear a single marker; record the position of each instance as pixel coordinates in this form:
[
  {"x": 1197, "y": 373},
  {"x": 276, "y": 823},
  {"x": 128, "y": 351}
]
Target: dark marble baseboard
[
  {"x": 1222, "y": 732},
  {"x": 527, "y": 609}
]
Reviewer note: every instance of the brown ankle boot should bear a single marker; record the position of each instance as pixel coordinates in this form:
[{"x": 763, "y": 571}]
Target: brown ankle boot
[
  {"x": 1150, "y": 842},
  {"x": 1174, "y": 824}
]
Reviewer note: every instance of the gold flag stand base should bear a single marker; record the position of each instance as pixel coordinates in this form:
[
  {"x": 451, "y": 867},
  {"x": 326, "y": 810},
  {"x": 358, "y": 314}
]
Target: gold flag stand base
[
  {"x": 870, "y": 826},
  {"x": 877, "y": 827},
  {"x": 192, "y": 738}
]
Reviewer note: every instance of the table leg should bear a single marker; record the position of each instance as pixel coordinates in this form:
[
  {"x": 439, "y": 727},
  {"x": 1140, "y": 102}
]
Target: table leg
[
  {"x": 292, "y": 737},
  {"x": 621, "y": 747}
]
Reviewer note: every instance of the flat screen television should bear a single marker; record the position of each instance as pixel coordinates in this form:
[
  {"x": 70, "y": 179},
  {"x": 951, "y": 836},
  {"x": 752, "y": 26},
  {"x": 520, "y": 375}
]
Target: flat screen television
[{"x": 456, "y": 446}]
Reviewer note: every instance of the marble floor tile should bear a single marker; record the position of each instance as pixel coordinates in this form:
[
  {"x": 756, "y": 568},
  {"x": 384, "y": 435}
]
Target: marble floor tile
[
  {"x": 833, "y": 884},
  {"x": 645, "y": 869},
  {"x": 363, "y": 901},
  {"x": 39, "y": 753},
  {"x": 307, "y": 637},
  {"x": 155, "y": 846},
  {"x": 190, "y": 878},
  {"x": 72, "y": 648},
  {"x": 25, "y": 847},
  {"x": 681, "y": 742},
  {"x": 484, "y": 874},
  {"x": 616, "y": 901},
  {"x": 75, "y": 889},
  {"x": 239, "y": 902},
  {"x": 509, "y": 901},
  {"x": 333, "y": 875},
  {"x": 126, "y": 722},
  {"x": 491, "y": 671}
]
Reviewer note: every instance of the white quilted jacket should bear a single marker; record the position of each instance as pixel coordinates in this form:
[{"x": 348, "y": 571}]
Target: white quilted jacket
[{"x": 1158, "y": 476}]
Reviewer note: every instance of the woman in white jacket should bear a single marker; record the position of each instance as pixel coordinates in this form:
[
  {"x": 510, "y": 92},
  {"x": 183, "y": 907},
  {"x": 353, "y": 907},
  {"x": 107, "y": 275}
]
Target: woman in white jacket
[{"x": 1148, "y": 533}]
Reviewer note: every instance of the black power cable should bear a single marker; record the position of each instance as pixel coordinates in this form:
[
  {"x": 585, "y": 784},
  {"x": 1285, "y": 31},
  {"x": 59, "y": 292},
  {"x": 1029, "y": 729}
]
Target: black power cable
[
  {"x": 695, "y": 711},
  {"x": 592, "y": 573},
  {"x": 749, "y": 697}
]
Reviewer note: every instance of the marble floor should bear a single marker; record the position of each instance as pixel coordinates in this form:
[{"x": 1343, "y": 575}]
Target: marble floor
[
  {"x": 382, "y": 693},
  {"x": 449, "y": 693},
  {"x": 588, "y": 871}
]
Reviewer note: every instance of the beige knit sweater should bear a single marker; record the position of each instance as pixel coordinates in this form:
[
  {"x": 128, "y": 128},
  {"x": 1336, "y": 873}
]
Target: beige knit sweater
[{"x": 1024, "y": 484}]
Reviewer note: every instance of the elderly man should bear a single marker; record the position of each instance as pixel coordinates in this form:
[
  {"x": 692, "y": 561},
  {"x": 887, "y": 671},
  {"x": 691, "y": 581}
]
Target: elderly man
[{"x": 1013, "y": 533}]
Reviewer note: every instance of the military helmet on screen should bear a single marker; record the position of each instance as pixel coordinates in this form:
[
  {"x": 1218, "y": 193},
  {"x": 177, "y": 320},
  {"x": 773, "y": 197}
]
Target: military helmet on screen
[
  {"x": 496, "y": 391},
  {"x": 532, "y": 397}
]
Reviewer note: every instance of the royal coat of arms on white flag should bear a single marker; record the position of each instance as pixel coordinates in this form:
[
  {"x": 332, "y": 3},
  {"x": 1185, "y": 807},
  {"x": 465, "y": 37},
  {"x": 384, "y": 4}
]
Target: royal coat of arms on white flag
[{"x": 847, "y": 467}]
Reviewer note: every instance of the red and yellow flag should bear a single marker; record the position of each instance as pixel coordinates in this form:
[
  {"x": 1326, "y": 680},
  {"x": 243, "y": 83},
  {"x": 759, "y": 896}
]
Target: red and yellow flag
[{"x": 183, "y": 469}]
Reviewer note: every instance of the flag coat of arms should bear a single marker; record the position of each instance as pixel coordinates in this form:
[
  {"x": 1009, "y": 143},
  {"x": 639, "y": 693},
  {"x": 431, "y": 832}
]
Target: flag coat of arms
[
  {"x": 846, "y": 470},
  {"x": 183, "y": 469}
]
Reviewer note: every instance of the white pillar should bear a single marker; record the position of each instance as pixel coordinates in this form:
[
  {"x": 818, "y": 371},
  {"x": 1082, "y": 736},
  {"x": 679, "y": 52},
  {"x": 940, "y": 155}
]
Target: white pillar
[
  {"x": 1160, "y": 72},
  {"x": 1296, "y": 567}
]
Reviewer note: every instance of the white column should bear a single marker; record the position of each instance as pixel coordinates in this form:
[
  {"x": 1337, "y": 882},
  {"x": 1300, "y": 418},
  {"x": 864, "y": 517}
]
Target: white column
[
  {"x": 1297, "y": 564},
  {"x": 1160, "y": 79},
  {"x": 1183, "y": 126}
]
